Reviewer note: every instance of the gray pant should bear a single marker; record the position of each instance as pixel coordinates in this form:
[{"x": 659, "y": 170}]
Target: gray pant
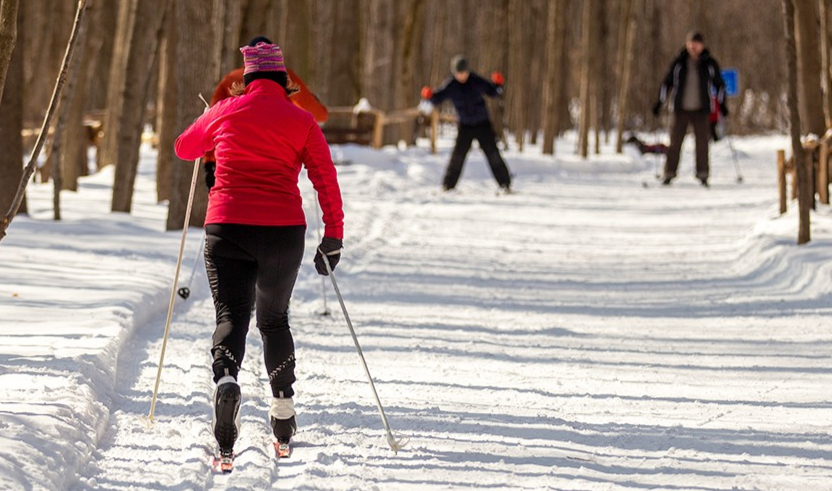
[{"x": 702, "y": 134}]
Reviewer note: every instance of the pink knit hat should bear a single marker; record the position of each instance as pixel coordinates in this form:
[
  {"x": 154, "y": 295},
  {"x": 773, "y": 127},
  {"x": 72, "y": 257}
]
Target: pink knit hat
[{"x": 263, "y": 57}]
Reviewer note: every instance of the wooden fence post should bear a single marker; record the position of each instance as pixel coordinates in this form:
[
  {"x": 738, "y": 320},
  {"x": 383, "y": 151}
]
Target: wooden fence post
[
  {"x": 781, "y": 180},
  {"x": 378, "y": 130},
  {"x": 434, "y": 129},
  {"x": 823, "y": 173}
]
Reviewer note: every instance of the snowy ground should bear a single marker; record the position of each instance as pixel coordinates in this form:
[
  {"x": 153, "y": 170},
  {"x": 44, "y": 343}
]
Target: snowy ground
[{"x": 584, "y": 333}]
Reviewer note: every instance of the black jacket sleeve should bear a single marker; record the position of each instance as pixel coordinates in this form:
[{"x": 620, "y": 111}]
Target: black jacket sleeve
[
  {"x": 442, "y": 93},
  {"x": 485, "y": 86},
  {"x": 668, "y": 82}
]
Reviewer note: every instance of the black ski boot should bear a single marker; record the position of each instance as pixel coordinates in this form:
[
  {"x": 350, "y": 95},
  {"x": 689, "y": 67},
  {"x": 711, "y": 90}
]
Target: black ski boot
[
  {"x": 226, "y": 421},
  {"x": 284, "y": 429}
]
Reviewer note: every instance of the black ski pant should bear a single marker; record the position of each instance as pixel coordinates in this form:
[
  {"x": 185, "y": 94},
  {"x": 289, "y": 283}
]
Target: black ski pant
[
  {"x": 484, "y": 134},
  {"x": 702, "y": 134},
  {"x": 248, "y": 263}
]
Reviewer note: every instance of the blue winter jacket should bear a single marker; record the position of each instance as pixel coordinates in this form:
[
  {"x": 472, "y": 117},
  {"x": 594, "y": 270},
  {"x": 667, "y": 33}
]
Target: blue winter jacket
[{"x": 467, "y": 98}]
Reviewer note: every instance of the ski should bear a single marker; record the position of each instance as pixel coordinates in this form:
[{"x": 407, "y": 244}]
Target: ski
[
  {"x": 282, "y": 450},
  {"x": 223, "y": 463}
]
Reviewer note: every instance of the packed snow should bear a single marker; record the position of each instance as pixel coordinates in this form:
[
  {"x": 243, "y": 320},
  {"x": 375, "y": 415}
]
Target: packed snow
[{"x": 591, "y": 331}]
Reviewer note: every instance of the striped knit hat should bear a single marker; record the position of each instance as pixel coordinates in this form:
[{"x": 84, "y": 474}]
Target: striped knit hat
[{"x": 263, "y": 57}]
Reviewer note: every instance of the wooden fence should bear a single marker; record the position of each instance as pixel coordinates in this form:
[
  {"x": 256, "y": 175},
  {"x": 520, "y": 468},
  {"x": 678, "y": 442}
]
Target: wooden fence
[
  {"x": 366, "y": 127},
  {"x": 817, "y": 161}
]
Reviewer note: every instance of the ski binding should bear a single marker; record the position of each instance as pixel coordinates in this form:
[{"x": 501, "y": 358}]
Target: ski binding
[
  {"x": 223, "y": 463},
  {"x": 282, "y": 450}
]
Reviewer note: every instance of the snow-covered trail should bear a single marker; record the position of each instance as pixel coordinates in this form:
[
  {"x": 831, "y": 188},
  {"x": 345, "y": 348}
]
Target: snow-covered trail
[{"x": 585, "y": 333}]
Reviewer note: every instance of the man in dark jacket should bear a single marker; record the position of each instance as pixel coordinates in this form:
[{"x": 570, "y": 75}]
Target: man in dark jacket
[
  {"x": 465, "y": 89},
  {"x": 694, "y": 88}
]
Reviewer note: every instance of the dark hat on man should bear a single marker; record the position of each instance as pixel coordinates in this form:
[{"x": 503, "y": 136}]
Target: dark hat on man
[
  {"x": 459, "y": 64},
  {"x": 695, "y": 36}
]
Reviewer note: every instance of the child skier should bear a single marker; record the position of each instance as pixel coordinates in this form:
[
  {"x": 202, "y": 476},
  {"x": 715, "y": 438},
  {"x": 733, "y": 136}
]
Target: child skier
[{"x": 465, "y": 90}]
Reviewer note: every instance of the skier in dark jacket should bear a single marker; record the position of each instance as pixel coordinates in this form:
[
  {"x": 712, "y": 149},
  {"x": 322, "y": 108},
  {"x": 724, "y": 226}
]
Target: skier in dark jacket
[
  {"x": 465, "y": 89},
  {"x": 695, "y": 89}
]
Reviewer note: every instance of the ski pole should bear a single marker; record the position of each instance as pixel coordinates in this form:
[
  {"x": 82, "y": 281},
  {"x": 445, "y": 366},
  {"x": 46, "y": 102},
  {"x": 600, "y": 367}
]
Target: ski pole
[
  {"x": 185, "y": 291},
  {"x": 394, "y": 445},
  {"x": 734, "y": 155},
  {"x": 175, "y": 280},
  {"x": 318, "y": 229}
]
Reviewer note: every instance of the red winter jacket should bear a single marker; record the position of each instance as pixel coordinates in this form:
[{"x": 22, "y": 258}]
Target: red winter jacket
[{"x": 260, "y": 140}]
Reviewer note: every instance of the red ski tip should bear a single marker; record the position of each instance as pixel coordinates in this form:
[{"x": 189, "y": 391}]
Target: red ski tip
[
  {"x": 222, "y": 464},
  {"x": 282, "y": 450}
]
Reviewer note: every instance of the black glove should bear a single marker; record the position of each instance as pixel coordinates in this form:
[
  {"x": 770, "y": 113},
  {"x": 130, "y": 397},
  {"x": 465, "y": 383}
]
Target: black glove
[
  {"x": 657, "y": 108},
  {"x": 332, "y": 249}
]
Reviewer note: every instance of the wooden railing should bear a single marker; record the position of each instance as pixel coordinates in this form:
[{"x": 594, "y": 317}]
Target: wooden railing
[
  {"x": 816, "y": 153},
  {"x": 367, "y": 127}
]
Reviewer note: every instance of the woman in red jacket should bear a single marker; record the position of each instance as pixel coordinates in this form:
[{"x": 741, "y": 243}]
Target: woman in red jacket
[
  {"x": 255, "y": 228},
  {"x": 231, "y": 84}
]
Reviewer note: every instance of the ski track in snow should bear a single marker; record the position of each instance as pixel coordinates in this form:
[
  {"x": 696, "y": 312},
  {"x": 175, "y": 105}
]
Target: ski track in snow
[{"x": 584, "y": 333}]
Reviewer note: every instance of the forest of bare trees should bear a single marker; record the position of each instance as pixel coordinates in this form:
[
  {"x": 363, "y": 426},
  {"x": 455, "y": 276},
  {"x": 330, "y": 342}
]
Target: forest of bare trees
[{"x": 589, "y": 65}]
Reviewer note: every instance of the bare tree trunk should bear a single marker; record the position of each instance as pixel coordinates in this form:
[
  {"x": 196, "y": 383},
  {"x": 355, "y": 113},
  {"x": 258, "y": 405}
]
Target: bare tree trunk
[
  {"x": 518, "y": 65},
  {"x": 586, "y": 78},
  {"x": 563, "y": 120},
  {"x": 804, "y": 196},
  {"x": 436, "y": 65},
  {"x": 192, "y": 63},
  {"x": 230, "y": 54},
  {"x": 554, "y": 50},
  {"x": 8, "y": 37},
  {"x": 603, "y": 80},
  {"x": 826, "y": 75},
  {"x": 254, "y": 21},
  {"x": 60, "y": 126},
  {"x": 410, "y": 43},
  {"x": 301, "y": 40},
  {"x": 809, "y": 69},
  {"x": 166, "y": 107},
  {"x": 698, "y": 15},
  {"x": 138, "y": 67},
  {"x": 11, "y": 124},
  {"x": 99, "y": 82},
  {"x": 598, "y": 81},
  {"x": 77, "y": 139},
  {"x": 626, "y": 41},
  {"x": 532, "y": 89},
  {"x": 56, "y": 95},
  {"x": 283, "y": 23}
]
